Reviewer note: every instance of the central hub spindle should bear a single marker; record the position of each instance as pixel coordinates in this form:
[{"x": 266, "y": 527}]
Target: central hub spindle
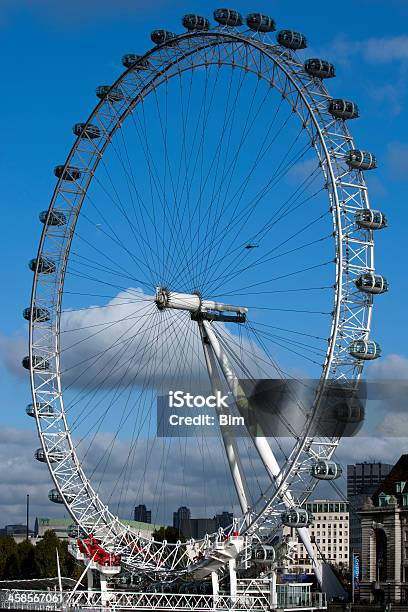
[{"x": 200, "y": 309}]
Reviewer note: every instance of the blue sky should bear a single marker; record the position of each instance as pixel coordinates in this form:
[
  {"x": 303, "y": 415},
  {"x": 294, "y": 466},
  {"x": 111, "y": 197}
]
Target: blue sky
[{"x": 54, "y": 56}]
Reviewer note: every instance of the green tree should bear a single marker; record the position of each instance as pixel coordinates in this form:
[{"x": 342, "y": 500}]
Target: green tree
[
  {"x": 171, "y": 534},
  {"x": 46, "y": 555},
  {"x": 8, "y": 557},
  {"x": 26, "y": 560},
  {"x": 45, "y": 558}
]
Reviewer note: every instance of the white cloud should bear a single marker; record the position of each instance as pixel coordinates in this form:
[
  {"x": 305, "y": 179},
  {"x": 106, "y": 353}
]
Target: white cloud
[
  {"x": 164, "y": 476},
  {"x": 353, "y": 55},
  {"x": 76, "y": 13},
  {"x": 393, "y": 367},
  {"x": 395, "y": 426},
  {"x": 22, "y": 475},
  {"x": 388, "y": 95},
  {"x": 397, "y": 159},
  {"x": 385, "y": 50},
  {"x": 12, "y": 350},
  {"x": 303, "y": 170},
  {"x": 130, "y": 342},
  {"x": 382, "y": 448}
]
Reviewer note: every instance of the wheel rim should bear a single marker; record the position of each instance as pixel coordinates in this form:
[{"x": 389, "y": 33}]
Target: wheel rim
[{"x": 331, "y": 140}]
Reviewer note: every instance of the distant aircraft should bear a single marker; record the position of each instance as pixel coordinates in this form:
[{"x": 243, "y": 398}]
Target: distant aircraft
[{"x": 252, "y": 246}]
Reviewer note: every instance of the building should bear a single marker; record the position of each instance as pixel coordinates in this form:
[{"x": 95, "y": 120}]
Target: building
[
  {"x": 223, "y": 520},
  {"x": 60, "y": 527},
  {"x": 18, "y": 532},
  {"x": 362, "y": 481},
  {"x": 182, "y": 514},
  {"x": 142, "y": 515},
  {"x": 384, "y": 529},
  {"x": 329, "y": 534},
  {"x": 197, "y": 527}
]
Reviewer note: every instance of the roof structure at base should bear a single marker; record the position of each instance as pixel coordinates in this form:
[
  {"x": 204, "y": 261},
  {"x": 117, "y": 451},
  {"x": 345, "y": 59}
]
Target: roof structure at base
[{"x": 60, "y": 526}]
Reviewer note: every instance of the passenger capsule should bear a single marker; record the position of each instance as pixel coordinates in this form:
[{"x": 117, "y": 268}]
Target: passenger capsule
[
  {"x": 366, "y": 350},
  {"x": 55, "y": 496},
  {"x": 263, "y": 554},
  {"x": 228, "y": 17},
  {"x": 350, "y": 414},
  {"x": 69, "y": 173},
  {"x": 260, "y": 23},
  {"x": 44, "y": 410},
  {"x": 343, "y": 109},
  {"x": 319, "y": 68},
  {"x": 75, "y": 531},
  {"x": 39, "y": 363},
  {"x": 45, "y": 265},
  {"x": 86, "y": 131},
  {"x": 291, "y": 40},
  {"x": 372, "y": 283},
  {"x": 54, "y": 217},
  {"x": 195, "y": 22},
  {"x": 296, "y": 517},
  {"x": 36, "y": 314},
  {"x": 105, "y": 91},
  {"x": 162, "y": 37},
  {"x": 30, "y": 410},
  {"x": 326, "y": 470},
  {"x": 54, "y": 456},
  {"x": 371, "y": 219},
  {"x": 135, "y": 61},
  {"x": 361, "y": 160}
]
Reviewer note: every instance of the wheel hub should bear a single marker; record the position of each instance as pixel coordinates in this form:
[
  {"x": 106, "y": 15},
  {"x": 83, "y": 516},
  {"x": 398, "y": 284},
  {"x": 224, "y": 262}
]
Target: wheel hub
[{"x": 200, "y": 309}]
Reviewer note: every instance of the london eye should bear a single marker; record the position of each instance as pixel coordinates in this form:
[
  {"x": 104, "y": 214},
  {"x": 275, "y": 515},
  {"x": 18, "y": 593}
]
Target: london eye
[{"x": 211, "y": 224}]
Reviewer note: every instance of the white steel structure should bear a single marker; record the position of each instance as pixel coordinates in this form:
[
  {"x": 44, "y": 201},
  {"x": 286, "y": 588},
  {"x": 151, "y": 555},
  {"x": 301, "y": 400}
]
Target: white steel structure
[
  {"x": 296, "y": 597},
  {"x": 192, "y": 250}
]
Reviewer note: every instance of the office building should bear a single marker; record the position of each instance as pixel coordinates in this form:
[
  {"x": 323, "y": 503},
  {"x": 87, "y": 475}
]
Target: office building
[
  {"x": 224, "y": 520},
  {"x": 142, "y": 515},
  {"x": 182, "y": 514},
  {"x": 329, "y": 534},
  {"x": 362, "y": 481},
  {"x": 384, "y": 529}
]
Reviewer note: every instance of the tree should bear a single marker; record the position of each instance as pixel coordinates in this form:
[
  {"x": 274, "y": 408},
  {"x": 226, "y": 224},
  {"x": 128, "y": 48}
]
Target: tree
[
  {"x": 26, "y": 560},
  {"x": 171, "y": 534},
  {"x": 46, "y": 555},
  {"x": 8, "y": 557}
]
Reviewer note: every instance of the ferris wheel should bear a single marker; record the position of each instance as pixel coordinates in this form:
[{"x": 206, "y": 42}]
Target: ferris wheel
[{"x": 211, "y": 224}]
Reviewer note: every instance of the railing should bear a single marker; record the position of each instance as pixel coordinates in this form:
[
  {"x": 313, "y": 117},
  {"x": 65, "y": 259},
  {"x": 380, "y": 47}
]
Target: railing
[
  {"x": 123, "y": 600},
  {"x": 298, "y": 597},
  {"x": 51, "y": 600}
]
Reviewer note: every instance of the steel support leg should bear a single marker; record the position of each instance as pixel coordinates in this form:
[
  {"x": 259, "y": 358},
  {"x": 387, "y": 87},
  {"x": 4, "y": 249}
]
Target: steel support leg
[
  {"x": 230, "y": 445},
  {"x": 233, "y": 579},
  {"x": 261, "y": 443},
  {"x": 215, "y": 587}
]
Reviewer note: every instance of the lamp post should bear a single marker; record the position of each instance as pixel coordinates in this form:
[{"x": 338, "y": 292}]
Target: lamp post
[{"x": 28, "y": 517}]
